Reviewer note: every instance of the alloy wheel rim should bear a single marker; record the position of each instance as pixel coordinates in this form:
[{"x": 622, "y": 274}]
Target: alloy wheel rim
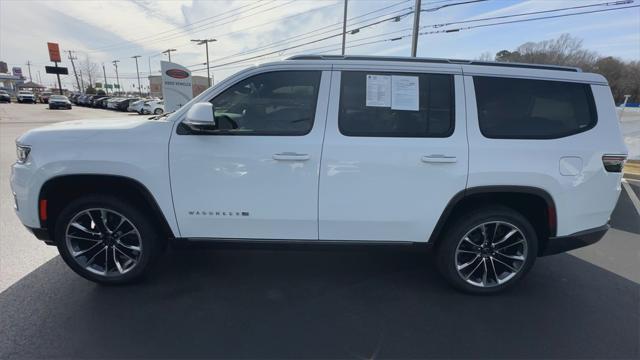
[
  {"x": 103, "y": 242},
  {"x": 491, "y": 254}
]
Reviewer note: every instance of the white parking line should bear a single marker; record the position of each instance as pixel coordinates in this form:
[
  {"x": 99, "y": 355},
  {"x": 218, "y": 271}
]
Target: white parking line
[{"x": 632, "y": 195}]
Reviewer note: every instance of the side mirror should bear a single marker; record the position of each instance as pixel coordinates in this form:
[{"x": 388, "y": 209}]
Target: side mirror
[{"x": 200, "y": 117}]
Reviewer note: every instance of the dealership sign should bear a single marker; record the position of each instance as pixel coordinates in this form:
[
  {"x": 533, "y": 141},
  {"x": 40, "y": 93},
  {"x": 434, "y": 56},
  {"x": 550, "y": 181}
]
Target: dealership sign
[
  {"x": 177, "y": 87},
  {"x": 17, "y": 71},
  {"x": 54, "y": 52}
]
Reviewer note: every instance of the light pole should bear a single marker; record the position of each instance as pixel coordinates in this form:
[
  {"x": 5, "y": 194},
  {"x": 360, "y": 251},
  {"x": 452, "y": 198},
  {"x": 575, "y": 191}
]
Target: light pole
[
  {"x": 206, "y": 45},
  {"x": 168, "y": 52},
  {"x": 138, "y": 72},
  {"x": 115, "y": 63}
]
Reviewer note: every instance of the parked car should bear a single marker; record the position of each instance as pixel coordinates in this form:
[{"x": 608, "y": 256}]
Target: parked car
[
  {"x": 4, "y": 97},
  {"x": 136, "y": 106},
  {"x": 155, "y": 107},
  {"x": 97, "y": 100},
  {"x": 44, "y": 97},
  {"x": 112, "y": 103},
  {"x": 59, "y": 102},
  {"x": 24, "y": 96},
  {"x": 492, "y": 165},
  {"x": 123, "y": 104},
  {"x": 85, "y": 100},
  {"x": 74, "y": 98}
]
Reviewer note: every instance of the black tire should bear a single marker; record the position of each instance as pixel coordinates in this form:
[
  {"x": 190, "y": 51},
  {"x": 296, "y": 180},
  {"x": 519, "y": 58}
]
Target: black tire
[
  {"x": 151, "y": 241},
  {"x": 157, "y": 111},
  {"x": 470, "y": 224}
]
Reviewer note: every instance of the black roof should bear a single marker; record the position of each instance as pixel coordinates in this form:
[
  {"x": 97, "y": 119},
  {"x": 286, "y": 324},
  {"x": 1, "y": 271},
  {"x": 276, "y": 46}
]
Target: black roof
[{"x": 433, "y": 60}]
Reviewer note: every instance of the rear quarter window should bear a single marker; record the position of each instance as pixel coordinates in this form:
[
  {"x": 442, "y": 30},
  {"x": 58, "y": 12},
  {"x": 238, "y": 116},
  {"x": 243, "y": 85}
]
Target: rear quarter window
[{"x": 533, "y": 109}]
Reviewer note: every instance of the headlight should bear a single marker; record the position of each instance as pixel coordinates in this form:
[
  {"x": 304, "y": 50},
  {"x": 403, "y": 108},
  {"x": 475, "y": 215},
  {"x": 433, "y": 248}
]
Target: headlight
[{"x": 22, "y": 151}]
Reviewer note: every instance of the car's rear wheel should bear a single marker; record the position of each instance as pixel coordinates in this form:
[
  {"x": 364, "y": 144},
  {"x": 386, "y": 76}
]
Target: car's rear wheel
[
  {"x": 107, "y": 240},
  {"x": 487, "y": 250},
  {"x": 157, "y": 111}
]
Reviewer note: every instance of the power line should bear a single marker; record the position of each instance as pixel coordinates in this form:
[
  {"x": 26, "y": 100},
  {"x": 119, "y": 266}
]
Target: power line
[
  {"x": 179, "y": 28},
  {"x": 531, "y": 19},
  {"x": 312, "y": 33},
  {"x": 206, "y": 26},
  {"x": 352, "y": 31},
  {"x": 614, "y": 3},
  {"x": 437, "y": 32}
]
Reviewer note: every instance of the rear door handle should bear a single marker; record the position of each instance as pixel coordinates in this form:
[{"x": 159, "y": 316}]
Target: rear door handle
[
  {"x": 291, "y": 156},
  {"x": 438, "y": 158}
]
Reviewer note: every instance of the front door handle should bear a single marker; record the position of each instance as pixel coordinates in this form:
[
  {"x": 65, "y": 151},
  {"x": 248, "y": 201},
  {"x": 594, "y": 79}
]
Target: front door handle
[
  {"x": 438, "y": 158},
  {"x": 291, "y": 156}
]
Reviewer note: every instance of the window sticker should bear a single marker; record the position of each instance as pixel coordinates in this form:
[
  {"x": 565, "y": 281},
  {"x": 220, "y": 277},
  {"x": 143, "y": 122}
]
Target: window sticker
[
  {"x": 378, "y": 90},
  {"x": 405, "y": 93}
]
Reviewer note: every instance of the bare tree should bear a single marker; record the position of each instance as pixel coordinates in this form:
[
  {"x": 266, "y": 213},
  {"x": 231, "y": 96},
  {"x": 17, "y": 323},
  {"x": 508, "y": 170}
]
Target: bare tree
[
  {"x": 89, "y": 69},
  {"x": 623, "y": 78},
  {"x": 486, "y": 56}
]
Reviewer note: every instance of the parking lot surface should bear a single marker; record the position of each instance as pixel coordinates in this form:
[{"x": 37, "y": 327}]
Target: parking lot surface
[{"x": 334, "y": 303}]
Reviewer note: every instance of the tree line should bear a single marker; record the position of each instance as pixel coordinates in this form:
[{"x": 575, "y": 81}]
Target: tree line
[{"x": 623, "y": 76}]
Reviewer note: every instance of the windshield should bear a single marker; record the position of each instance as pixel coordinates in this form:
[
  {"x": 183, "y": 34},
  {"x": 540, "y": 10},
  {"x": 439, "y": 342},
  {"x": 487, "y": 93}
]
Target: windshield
[
  {"x": 58, "y": 97},
  {"x": 25, "y": 93}
]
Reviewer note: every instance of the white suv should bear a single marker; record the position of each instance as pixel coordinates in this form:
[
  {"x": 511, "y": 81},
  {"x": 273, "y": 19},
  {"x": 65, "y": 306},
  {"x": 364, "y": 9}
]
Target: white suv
[
  {"x": 490, "y": 164},
  {"x": 25, "y": 96}
]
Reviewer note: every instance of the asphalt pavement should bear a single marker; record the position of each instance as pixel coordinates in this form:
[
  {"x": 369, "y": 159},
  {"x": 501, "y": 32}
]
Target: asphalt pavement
[{"x": 336, "y": 303}]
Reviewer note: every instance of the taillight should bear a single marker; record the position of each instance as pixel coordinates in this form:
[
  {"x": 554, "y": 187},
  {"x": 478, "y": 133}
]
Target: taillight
[{"x": 613, "y": 163}]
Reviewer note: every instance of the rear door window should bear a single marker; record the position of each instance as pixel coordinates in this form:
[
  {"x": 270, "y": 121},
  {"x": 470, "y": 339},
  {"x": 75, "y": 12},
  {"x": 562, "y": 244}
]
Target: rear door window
[
  {"x": 511, "y": 108},
  {"x": 430, "y": 115}
]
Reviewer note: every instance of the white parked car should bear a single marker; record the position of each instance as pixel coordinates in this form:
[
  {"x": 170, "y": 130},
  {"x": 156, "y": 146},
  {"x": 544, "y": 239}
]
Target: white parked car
[
  {"x": 491, "y": 164},
  {"x": 155, "y": 107},
  {"x": 24, "y": 96},
  {"x": 136, "y": 106}
]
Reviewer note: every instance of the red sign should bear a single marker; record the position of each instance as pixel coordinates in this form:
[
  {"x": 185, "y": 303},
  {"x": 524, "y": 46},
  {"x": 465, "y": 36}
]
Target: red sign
[
  {"x": 54, "y": 52},
  {"x": 177, "y": 73}
]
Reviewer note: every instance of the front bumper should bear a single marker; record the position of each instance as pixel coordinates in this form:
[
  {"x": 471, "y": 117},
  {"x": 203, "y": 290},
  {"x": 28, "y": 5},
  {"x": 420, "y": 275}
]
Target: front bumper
[{"x": 560, "y": 244}]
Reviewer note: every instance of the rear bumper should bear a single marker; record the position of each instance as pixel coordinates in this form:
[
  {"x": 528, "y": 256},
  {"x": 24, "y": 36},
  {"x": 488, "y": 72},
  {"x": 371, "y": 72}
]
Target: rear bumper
[
  {"x": 560, "y": 244},
  {"x": 41, "y": 234}
]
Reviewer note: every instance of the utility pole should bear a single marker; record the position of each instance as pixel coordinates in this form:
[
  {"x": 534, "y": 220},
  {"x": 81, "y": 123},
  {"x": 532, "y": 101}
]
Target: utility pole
[
  {"x": 29, "y": 66},
  {"x": 344, "y": 27},
  {"x": 39, "y": 78},
  {"x": 81, "y": 82},
  {"x": 416, "y": 28},
  {"x": 104, "y": 72},
  {"x": 138, "y": 72},
  {"x": 168, "y": 52},
  {"x": 206, "y": 45},
  {"x": 115, "y": 63},
  {"x": 73, "y": 65}
]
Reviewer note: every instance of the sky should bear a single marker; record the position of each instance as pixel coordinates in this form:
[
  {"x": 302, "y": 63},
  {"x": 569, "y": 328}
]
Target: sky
[{"x": 103, "y": 31}]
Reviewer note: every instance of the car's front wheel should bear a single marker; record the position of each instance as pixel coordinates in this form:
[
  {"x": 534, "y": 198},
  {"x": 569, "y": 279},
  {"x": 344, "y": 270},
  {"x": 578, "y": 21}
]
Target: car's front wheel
[
  {"x": 487, "y": 250},
  {"x": 107, "y": 240}
]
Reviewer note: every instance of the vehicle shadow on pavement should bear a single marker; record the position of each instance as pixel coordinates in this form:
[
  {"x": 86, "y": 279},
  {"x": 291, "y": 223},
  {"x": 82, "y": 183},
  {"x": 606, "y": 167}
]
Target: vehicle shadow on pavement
[{"x": 318, "y": 304}]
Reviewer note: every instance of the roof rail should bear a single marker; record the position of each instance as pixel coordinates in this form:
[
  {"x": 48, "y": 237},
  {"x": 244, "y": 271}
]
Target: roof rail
[{"x": 434, "y": 60}]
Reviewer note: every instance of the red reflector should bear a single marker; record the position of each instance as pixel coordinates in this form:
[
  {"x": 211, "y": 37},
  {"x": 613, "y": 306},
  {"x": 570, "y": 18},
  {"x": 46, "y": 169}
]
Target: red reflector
[{"x": 43, "y": 209}]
